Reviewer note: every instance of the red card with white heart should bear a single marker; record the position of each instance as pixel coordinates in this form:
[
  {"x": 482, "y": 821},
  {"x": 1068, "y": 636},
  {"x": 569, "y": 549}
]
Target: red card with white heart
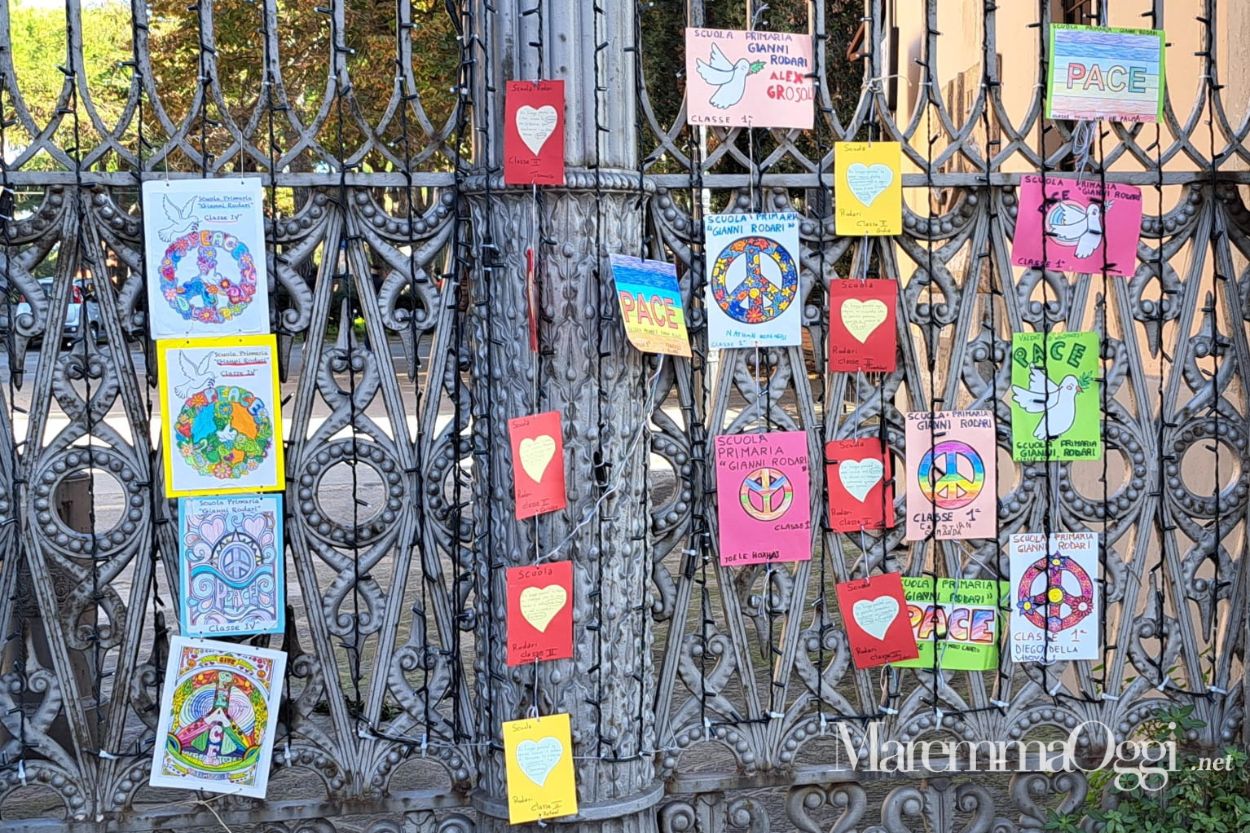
[
  {"x": 857, "y": 473},
  {"x": 533, "y": 133},
  {"x": 874, "y": 614},
  {"x": 540, "y": 612},
  {"x": 862, "y": 328},
  {"x": 537, "y": 464}
]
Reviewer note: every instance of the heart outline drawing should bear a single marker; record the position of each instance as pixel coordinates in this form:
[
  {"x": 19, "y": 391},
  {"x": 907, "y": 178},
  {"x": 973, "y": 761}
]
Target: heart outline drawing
[
  {"x": 535, "y": 125},
  {"x": 536, "y": 454},
  {"x": 867, "y": 182},
  {"x": 859, "y": 477},
  {"x": 540, "y": 605},
  {"x": 874, "y": 616},
  {"x": 865, "y": 317},
  {"x": 537, "y": 758}
]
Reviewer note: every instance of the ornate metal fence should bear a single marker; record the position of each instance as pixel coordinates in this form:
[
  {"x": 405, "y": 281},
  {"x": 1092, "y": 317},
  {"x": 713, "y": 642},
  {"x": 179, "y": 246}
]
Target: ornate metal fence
[{"x": 704, "y": 698}]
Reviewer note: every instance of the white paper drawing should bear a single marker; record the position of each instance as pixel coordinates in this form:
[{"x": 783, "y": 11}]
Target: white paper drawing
[
  {"x": 205, "y": 257},
  {"x": 753, "y": 287},
  {"x": 1055, "y": 597},
  {"x": 218, "y": 717}
]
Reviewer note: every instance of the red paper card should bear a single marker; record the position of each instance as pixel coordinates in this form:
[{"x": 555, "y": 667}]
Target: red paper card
[
  {"x": 862, "y": 328},
  {"x": 533, "y": 134},
  {"x": 856, "y": 473},
  {"x": 537, "y": 464},
  {"x": 874, "y": 614},
  {"x": 540, "y": 612}
]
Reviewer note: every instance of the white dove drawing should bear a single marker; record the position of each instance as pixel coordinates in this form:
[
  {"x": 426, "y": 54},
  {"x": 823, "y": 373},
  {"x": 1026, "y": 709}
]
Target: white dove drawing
[
  {"x": 1056, "y": 403},
  {"x": 198, "y": 376},
  {"x": 730, "y": 79},
  {"x": 1071, "y": 224},
  {"x": 181, "y": 220}
]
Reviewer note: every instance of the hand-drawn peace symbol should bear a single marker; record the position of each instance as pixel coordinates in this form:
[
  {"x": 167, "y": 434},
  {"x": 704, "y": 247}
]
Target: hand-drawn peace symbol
[
  {"x": 208, "y": 295},
  {"x": 237, "y": 555},
  {"x": 1046, "y": 608},
  {"x": 757, "y": 298},
  {"x": 951, "y": 475},
  {"x": 766, "y": 494}
]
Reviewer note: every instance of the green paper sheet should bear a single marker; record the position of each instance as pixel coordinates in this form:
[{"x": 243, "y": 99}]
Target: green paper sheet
[
  {"x": 919, "y": 594},
  {"x": 972, "y": 623},
  {"x": 1054, "y": 395},
  {"x": 965, "y": 619}
]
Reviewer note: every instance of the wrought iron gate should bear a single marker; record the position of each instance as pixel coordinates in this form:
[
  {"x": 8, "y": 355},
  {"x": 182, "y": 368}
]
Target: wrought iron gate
[{"x": 703, "y": 697}]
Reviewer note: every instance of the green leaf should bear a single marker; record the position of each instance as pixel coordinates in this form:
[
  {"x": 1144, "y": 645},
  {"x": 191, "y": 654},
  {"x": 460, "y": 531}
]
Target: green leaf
[{"x": 755, "y": 67}]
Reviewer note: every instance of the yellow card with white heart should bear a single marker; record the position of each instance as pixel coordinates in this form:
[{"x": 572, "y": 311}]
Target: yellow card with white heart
[
  {"x": 539, "y": 757},
  {"x": 868, "y": 188}
]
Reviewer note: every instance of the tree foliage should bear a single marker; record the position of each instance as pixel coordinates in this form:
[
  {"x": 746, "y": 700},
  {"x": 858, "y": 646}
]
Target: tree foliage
[
  {"x": 40, "y": 49},
  {"x": 305, "y": 47},
  {"x": 306, "y": 52},
  {"x": 1197, "y": 798}
]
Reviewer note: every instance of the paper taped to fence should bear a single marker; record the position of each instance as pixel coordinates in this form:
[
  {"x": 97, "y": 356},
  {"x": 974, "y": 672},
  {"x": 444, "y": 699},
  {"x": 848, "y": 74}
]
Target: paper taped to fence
[
  {"x": 222, "y": 422},
  {"x": 1055, "y": 597},
  {"x": 205, "y": 254},
  {"x": 1056, "y": 409},
  {"x": 650, "y": 302},
  {"x": 540, "y": 612},
  {"x": 218, "y": 717},
  {"x": 868, "y": 188},
  {"x": 753, "y": 280},
  {"x": 763, "y": 497},
  {"x": 1080, "y": 226},
  {"x": 231, "y": 565},
  {"x": 859, "y": 479},
  {"x": 537, "y": 464},
  {"x": 749, "y": 79},
  {"x": 533, "y": 133},
  {"x": 956, "y": 617},
  {"x": 874, "y": 614},
  {"x": 951, "y": 487},
  {"x": 863, "y": 329},
  {"x": 538, "y": 759},
  {"x": 1105, "y": 73}
]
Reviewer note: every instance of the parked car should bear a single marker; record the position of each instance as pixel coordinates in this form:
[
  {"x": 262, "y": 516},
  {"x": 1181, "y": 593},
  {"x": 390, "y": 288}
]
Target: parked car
[{"x": 74, "y": 312}]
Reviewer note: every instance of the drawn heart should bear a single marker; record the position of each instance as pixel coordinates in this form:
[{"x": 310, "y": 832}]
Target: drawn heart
[
  {"x": 875, "y": 616},
  {"x": 539, "y": 605},
  {"x": 867, "y": 182},
  {"x": 211, "y": 531},
  {"x": 862, "y": 317},
  {"x": 538, "y": 757},
  {"x": 256, "y": 526},
  {"x": 536, "y": 125},
  {"x": 859, "y": 476},
  {"x": 536, "y": 454}
]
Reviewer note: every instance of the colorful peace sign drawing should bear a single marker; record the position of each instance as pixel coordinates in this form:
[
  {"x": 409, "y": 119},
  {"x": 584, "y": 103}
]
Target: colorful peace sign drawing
[
  {"x": 951, "y": 475},
  {"x": 219, "y": 720},
  {"x": 766, "y": 291},
  {"x": 224, "y": 432},
  {"x": 766, "y": 494},
  {"x": 1046, "y": 608},
  {"x": 208, "y": 294}
]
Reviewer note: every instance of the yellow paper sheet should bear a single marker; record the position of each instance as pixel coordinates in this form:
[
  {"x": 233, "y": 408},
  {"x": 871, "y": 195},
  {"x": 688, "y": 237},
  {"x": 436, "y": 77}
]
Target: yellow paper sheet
[
  {"x": 222, "y": 415},
  {"x": 868, "y": 188},
  {"x": 538, "y": 753}
]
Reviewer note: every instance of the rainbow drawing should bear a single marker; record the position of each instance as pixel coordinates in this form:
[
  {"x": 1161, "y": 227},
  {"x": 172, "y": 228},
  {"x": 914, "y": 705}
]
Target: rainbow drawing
[{"x": 1105, "y": 73}]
